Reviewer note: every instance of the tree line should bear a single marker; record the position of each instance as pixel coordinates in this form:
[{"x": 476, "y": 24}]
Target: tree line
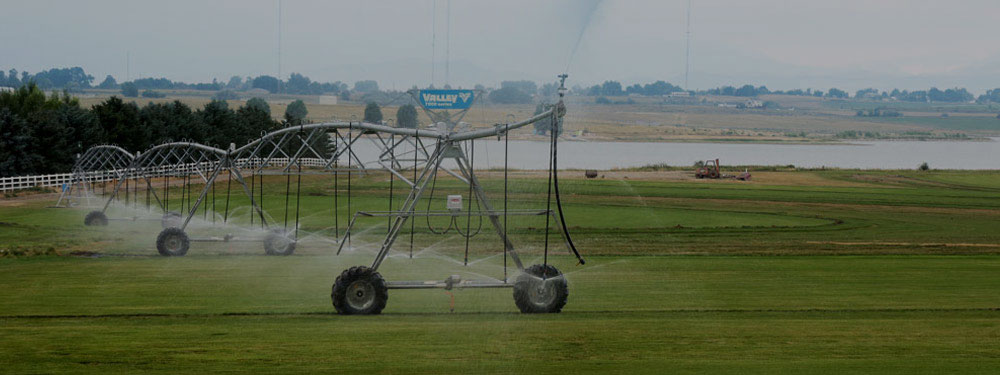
[
  {"x": 42, "y": 134},
  {"x": 510, "y": 92}
]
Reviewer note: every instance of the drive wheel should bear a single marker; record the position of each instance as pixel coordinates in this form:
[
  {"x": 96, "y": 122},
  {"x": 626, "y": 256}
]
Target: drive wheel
[
  {"x": 540, "y": 289},
  {"x": 359, "y": 291},
  {"x": 95, "y": 218},
  {"x": 173, "y": 242},
  {"x": 171, "y": 220},
  {"x": 278, "y": 242}
]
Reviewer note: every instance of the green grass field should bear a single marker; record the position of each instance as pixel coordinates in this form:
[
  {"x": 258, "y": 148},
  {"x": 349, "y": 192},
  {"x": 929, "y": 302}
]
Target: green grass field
[{"x": 832, "y": 271}]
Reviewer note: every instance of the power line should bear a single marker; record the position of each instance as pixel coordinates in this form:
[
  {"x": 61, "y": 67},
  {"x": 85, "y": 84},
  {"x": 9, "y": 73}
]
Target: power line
[{"x": 687, "y": 52}]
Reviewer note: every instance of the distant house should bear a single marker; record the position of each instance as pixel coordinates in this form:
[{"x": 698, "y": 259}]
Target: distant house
[
  {"x": 680, "y": 94},
  {"x": 753, "y": 103}
]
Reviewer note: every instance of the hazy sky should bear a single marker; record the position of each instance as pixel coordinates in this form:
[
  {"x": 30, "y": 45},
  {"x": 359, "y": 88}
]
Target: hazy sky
[{"x": 780, "y": 43}]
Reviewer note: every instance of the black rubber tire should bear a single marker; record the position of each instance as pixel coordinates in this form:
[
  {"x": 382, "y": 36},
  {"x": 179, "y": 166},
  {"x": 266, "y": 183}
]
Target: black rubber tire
[
  {"x": 534, "y": 296},
  {"x": 95, "y": 218},
  {"x": 277, "y": 242},
  {"x": 171, "y": 220},
  {"x": 368, "y": 289},
  {"x": 173, "y": 242}
]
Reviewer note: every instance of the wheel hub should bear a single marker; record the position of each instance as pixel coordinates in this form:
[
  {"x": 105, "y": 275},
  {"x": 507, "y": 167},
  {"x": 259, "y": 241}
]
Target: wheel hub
[
  {"x": 360, "y": 295},
  {"x": 543, "y": 293},
  {"x": 173, "y": 243},
  {"x": 283, "y": 243}
]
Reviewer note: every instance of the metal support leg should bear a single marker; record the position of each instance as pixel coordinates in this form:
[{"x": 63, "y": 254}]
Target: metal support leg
[
  {"x": 494, "y": 219},
  {"x": 204, "y": 191},
  {"x": 411, "y": 202},
  {"x": 246, "y": 190}
]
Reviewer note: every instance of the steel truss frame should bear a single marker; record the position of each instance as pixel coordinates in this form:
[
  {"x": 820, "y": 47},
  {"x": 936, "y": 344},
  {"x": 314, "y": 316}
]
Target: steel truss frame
[
  {"x": 98, "y": 163},
  {"x": 295, "y": 147}
]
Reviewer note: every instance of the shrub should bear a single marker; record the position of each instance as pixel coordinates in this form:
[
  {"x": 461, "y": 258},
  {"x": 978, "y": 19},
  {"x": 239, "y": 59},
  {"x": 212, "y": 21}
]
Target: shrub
[{"x": 153, "y": 94}]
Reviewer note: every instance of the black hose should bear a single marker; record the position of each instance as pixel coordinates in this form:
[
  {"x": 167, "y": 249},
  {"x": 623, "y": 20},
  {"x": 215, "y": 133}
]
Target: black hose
[
  {"x": 229, "y": 185},
  {"x": 430, "y": 197},
  {"x": 336, "y": 185},
  {"x": 413, "y": 207},
  {"x": 253, "y": 187},
  {"x": 392, "y": 159},
  {"x": 555, "y": 186}
]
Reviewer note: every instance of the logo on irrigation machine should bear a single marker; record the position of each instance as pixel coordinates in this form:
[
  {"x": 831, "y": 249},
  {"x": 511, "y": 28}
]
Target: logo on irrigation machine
[{"x": 446, "y": 99}]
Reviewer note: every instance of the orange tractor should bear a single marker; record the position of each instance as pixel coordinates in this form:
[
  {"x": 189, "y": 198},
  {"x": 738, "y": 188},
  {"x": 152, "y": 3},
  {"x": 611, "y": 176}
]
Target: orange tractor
[{"x": 710, "y": 169}]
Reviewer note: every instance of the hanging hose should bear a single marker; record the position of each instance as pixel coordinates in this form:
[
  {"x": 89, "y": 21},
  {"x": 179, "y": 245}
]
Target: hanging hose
[
  {"x": 298, "y": 186},
  {"x": 555, "y": 186},
  {"x": 468, "y": 232},
  {"x": 430, "y": 198},
  {"x": 253, "y": 186},
  {"x": 229, "y": 185},
  {"x": 468, "y": 212},
  {"x": 215, "y": 208},
  {"x": 468, "y": 220},
  {"x": 350, "y": 136},
  {"x": 413, "y": 222},
  {"x": 506, "y": 143},
  {"x": 392, "y": 159},
  {"x": 288, "y": 186},
  {"x": 166, "y": 193},
  {"x": 548, "y": 205},
  {"x": 298, "y": 198},
  {"x": 148, "y": 187},
  {"x": 336, "y": 184},
  {"x": 262, "y": 224}
]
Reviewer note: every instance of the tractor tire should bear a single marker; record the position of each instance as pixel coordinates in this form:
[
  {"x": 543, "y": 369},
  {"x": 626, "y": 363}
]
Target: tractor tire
[
  {"x": 173, "y": 242},
  {"x": 277, "y": 242},
  {"x": 171, "y": 220},
  {"x": 95, "y": 218},
  {"x": 533, "y": 295},
  {"x": 359, "y": 291}
]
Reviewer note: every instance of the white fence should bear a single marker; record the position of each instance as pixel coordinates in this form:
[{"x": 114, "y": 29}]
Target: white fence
[
  {"x": 49, "y": 180},
  {"x": 25, "y": 182}
]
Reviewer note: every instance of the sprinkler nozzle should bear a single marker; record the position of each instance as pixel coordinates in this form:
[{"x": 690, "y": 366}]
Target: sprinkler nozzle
[{"x": 562, "y": 84}]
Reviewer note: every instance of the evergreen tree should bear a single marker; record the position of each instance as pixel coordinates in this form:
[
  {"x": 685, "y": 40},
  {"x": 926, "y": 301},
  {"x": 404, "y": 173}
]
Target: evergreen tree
[
  {"x": 406, "y": 116},
  {"x": 373, "y": 113}
]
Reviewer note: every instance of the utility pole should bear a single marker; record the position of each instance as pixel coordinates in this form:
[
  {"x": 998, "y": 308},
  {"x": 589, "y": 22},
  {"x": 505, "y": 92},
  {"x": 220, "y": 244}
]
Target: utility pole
[
  {"x": 279, "y": 43},
  {"x": 128, "y": 67},
  {"x": 687, "y": 52},
  {"x": 433, "y": 39},
  {"x": 447, "y": 48}
]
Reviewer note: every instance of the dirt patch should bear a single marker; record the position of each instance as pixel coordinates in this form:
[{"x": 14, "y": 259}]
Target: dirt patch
[{"x": 22, "y": 199}]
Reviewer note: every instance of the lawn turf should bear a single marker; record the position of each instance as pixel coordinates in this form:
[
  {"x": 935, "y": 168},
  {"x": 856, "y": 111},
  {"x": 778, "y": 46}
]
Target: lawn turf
[{"x": 896, "y": 273}]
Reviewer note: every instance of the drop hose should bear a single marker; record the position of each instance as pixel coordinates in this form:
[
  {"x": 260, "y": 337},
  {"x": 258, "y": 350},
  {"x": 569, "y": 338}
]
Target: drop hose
[{"x": 554, "y": 131}]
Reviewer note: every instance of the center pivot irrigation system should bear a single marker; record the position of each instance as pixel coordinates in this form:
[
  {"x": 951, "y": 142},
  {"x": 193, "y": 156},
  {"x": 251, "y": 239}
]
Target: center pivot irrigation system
[{"x": 539, "y": 288}]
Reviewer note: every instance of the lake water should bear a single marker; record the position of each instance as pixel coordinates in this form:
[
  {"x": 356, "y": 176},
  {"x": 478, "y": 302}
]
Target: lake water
[{"x": 864, "y": 155}]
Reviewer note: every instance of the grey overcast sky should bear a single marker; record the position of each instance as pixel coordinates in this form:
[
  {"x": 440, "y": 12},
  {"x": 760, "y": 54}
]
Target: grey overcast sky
[{"x": 783, "y": 44}]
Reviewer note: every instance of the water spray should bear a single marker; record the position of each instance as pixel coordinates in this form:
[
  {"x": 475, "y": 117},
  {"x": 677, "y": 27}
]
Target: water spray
[{"x": 539, "y": 288}]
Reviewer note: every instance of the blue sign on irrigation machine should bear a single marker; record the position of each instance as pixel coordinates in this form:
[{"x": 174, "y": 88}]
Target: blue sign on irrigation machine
[{"x": 446, "y": 99}]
